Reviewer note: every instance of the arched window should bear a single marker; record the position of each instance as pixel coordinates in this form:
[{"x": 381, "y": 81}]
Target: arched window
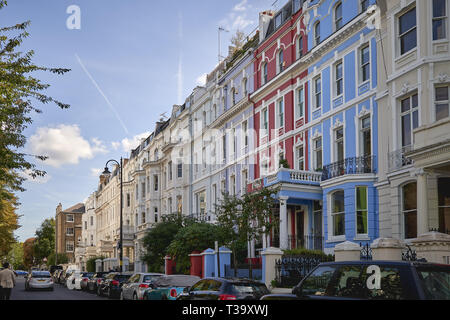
[
  {"x": 409, "y": 209},
  {"x": 299, "y": 47},
  {"x": 338, "y": 213},
  {"x": 317, "y": 33},
  {"x": 264, "y": 74},
  {"x": 280, "y": 59},
  {"x": 244, "y": 87},
  {"x": 338, "y": 16}
]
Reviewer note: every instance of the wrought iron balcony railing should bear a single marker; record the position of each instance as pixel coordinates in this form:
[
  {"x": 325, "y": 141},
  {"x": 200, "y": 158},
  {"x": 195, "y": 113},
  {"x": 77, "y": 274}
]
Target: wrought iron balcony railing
[
  {"x": 354, "y": 165},
  {"x": 398, "y": 160}
]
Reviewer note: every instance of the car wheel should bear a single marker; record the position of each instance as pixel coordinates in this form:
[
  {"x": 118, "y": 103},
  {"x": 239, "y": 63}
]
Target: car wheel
[{"x": 135, "y": 296}]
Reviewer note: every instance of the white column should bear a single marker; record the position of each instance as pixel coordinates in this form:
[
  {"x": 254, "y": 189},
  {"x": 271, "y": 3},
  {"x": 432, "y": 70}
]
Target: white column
[
  {"x": 283, "y": 224},
  {"x": 422, "y": 202}
]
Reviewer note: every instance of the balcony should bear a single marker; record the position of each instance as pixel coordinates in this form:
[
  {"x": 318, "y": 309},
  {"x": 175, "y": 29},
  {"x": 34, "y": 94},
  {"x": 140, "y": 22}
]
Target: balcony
[
  {"x": 398, "y": 159},
  {"x": 128, "y": 233},
  {"x": 294, "y": 177},
  {"x": 354, "y": 165}
]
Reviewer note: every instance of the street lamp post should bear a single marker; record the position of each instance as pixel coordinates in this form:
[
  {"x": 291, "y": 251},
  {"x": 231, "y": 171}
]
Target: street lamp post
[{"x": 107, "y": 172}]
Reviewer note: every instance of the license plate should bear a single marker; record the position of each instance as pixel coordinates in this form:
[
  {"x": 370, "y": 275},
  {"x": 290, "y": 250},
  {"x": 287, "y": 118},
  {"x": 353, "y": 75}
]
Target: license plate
[{"x": 41, "y": 280}]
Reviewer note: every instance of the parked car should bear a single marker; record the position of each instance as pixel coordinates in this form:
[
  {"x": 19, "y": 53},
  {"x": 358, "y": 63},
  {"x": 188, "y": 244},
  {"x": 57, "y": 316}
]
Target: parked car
[
  {"x": 168, "y": 287},
  {"x": 225, "y": 289},
  {"x": 85, "y": 276},
  {"x": 112, "y": 284},
  {"x": 134, "y": 288},
  {"x": 95, "y": 280},
  {"x": 39, "y": 280},
  {"x": 373, "y": 280}
]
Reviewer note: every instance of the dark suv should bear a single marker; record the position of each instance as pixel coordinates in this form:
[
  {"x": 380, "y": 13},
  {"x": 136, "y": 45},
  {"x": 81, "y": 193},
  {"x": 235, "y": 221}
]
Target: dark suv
[
  {"x": 225, "y": 289},
  {"x": 112, "y": 284},
  {"x": 373, "y": 280}
]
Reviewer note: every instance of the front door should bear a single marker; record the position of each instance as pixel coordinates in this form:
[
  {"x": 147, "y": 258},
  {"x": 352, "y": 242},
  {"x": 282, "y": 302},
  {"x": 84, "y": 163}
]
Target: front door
[{"x": 300, "y": 230}]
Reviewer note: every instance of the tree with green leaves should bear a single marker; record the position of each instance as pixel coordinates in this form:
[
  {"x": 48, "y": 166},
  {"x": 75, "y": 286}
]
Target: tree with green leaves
[
  {"x": 90, "y": 264},
  {"x": 158, "y": 239},
  {"x": 15, "y": 256},
  {"x": 20, "y": 93},
  {"x": 248, "y": 217},
  {"x": 196, "y": 236},
  {"x": 44, "y": 245},
  {"x": 62, "y": 259},
  {"x": 9, "y": 222}
]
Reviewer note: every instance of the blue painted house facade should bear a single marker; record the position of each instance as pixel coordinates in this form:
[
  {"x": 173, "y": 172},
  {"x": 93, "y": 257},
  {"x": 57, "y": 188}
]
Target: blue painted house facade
[
  {"x": 330, "y": 137},
  {"x": 342, "y": 78}
]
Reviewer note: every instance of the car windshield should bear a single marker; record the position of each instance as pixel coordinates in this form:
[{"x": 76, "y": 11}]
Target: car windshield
[
  {"x": 435, "y": 282},
  {"x": 251, "y": 288},
  {"x": 150, "y": 278},
  {"x": 122, "y": 277},
  {"x": 40, "y": 275}
]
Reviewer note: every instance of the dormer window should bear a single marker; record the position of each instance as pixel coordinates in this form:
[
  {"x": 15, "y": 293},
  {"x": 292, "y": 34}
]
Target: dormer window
[{"x": 278, "y": 20}]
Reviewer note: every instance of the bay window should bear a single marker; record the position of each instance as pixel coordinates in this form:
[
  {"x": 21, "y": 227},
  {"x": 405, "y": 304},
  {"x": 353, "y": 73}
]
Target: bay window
[
  {"x": 408, "y": 31},
  {"x": 361, "y": 210},
  {"x": 441, "y": 102},
  {"x": 338, "y": 213},
  {"x": 439, "y": 19}
]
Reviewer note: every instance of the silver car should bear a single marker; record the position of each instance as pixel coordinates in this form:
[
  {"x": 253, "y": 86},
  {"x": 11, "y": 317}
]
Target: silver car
[
  {"x": 134, "y": 288},
  {"x": 39, "y": 280}
]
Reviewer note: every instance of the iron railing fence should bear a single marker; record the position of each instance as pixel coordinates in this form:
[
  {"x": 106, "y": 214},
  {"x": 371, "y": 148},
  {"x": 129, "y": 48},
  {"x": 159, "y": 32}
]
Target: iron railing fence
[{"x": 353, "y": 165}]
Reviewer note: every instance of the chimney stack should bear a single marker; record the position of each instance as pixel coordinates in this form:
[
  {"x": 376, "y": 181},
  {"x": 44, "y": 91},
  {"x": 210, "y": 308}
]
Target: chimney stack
[{"x": 264, "y": 20}]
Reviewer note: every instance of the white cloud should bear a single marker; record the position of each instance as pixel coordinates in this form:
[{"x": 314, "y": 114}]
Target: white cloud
[
  {"x": 130, "y": 144},
  {"x": 95, "y": 172},
  {"x": 241, "y": 6},
  {"x": 64, "y": 145}
]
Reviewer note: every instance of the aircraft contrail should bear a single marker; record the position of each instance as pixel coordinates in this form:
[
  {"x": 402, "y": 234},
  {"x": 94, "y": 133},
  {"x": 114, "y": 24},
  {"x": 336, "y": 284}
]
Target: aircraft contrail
[{"x": 103, "y": 95}]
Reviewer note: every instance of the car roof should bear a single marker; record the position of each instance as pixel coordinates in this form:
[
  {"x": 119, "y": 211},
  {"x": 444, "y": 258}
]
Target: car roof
[
  {"x": 382, "y": 262},
  {"x": 234, "y": 280}
]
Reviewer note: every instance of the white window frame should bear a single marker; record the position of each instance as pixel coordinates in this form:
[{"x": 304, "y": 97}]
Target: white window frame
[
  {"x": 300, "y": 108},
  {"x": 70, "y": 218},
  {"x": 67, "y": 231},
  {"x": 317, "y": 37},
  {"x": 445, "y": 18},
  {"x": 441, "y": 102},
  {"x": 315, "y": 150},
  {"x": 281, "y": 107},
  {"x": 333, "y": 214},
  {"x": 336, "y": 142},
  {"x": 362, "y": 65},
  {"x": 361, "y": 134},
  {"x": 335, "y": 19},
  {"x": 265, "y": 121},
  {"x": 411, "y": 112},
  {"x": 356, "y": 211},
  {"x": 336, "y": 79},
  {"x": 298, "y": 158},
  {"x": 400, "y": 35},
  {"x": 317, "y": 93}
]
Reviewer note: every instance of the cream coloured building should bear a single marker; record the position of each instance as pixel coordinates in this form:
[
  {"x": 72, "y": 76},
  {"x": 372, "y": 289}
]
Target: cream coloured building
[{"x": 413, "y": 97}]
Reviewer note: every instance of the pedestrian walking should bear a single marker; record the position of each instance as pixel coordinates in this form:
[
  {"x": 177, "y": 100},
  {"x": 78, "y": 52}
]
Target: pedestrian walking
[{"x": 7, "y": 282}]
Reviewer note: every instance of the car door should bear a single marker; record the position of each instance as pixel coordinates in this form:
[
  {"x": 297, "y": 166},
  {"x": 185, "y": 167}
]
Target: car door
[
  {"x": 200, "y": 290},
  {"x": 128, "y": 287}
]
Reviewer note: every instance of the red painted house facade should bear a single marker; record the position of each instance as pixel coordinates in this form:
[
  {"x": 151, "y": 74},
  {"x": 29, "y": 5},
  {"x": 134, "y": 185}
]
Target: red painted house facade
[{"x": 280, "y": 111}]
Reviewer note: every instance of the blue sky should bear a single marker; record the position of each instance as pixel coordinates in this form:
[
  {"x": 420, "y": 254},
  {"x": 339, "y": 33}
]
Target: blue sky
[{"x": 131, "y": 61}]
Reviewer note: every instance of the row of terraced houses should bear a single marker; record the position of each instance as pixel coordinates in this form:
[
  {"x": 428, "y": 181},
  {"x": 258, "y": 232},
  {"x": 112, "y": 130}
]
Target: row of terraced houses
[{"x": 354, "y": 94}]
